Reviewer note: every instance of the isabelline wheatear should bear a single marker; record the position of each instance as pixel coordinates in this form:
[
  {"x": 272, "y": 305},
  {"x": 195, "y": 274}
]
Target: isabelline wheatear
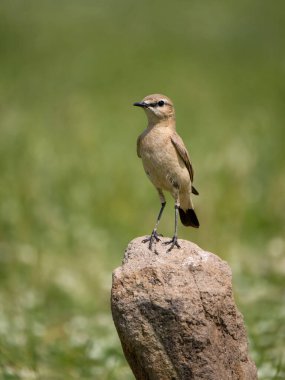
[{"x": 166, "y": 163}]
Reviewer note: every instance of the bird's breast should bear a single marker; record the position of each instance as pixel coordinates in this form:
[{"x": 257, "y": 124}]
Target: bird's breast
[
  {"x": 161, "y": 162},
  {"x": 156, "y": 149}
]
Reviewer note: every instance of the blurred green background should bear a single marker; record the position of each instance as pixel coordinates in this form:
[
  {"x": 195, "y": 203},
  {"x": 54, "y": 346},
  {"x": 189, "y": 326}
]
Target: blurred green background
[{"x": 73, "y": 192}]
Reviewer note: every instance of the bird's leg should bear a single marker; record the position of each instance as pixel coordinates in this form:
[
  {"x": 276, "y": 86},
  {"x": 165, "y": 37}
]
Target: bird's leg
[
  {"x": 174, "y": 240},
  {"x": 154, "y": 235}
]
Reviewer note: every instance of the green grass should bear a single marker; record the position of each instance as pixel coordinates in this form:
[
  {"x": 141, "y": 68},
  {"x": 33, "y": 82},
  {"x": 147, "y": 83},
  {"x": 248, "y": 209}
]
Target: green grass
[{"x": 73, "y": 193}]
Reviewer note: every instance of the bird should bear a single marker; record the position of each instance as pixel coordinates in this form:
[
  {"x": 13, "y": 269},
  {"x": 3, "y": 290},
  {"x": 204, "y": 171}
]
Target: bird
[{"x": 167, "y": 164}]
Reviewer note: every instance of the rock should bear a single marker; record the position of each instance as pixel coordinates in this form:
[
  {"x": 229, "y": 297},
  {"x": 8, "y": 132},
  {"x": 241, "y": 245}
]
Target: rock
[{"x": 176, "y": 316}]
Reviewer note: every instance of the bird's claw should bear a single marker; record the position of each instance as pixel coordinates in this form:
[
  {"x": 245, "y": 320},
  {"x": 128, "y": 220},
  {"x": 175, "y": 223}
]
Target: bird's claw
[
  {"x": 154, "y": 235},
  {"x": 173, "y": 242}
]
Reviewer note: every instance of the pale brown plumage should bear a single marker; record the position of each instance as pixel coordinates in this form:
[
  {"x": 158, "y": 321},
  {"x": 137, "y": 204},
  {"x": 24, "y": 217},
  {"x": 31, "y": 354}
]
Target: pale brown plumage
[{"x": 166, "y": 161}]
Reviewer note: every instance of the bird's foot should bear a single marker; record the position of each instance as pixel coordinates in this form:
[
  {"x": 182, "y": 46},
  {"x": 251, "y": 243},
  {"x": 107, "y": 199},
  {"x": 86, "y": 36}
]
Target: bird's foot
[
  {"x": 173, "y": 242},
  {"x": 154, "y": 236}
]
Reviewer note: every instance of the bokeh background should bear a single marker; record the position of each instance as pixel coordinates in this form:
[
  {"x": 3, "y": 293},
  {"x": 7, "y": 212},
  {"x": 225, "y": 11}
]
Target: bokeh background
[{"x": 73, "y": 192}]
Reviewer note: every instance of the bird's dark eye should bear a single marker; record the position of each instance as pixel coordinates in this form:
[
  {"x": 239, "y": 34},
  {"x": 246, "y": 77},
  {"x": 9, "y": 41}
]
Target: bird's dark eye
[{"x": 160, "y": 103}]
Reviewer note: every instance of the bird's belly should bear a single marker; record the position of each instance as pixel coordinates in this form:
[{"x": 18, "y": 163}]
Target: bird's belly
[{"x": 165, "y": 171}]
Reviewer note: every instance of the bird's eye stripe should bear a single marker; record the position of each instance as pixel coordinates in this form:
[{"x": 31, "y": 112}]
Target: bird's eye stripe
[{"x": 157, "y": 104}]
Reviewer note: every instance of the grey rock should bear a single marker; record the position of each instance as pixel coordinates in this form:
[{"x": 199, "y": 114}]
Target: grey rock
[{"x": 176, "y": 316}]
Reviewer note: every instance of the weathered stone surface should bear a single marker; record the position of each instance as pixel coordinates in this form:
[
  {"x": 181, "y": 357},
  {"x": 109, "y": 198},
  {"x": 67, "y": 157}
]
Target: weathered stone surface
[{"x": 176, "y": 317}]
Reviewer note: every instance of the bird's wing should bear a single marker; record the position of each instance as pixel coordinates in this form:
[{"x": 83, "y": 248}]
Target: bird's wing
[
  {"x": 138, "y": 146},
  {"x": 182, "y": 151}
]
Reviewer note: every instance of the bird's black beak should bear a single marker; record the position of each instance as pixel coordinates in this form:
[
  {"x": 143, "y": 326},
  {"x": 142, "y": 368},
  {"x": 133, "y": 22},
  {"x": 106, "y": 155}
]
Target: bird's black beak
[{"x": 141, "y": 104}]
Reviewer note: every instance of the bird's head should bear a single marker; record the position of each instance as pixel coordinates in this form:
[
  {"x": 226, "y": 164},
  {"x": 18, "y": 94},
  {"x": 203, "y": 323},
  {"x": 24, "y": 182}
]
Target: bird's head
[{"x": 157, "y": 107}]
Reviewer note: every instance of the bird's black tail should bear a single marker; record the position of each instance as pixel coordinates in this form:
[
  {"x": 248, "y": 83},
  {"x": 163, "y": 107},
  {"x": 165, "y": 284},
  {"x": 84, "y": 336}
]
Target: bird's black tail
[{"x": 189, "y": 218}]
